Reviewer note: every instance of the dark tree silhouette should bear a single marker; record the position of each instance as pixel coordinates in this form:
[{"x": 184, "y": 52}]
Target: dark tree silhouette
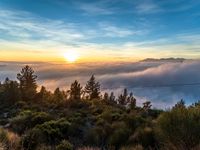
[
  {"x": 43, "y": 95},
  {"x": 106, "y": 96},
  {"x": 28, "y": 85},
  {"x": 180, "y": 104},
  {"x": 10, "y": 92},
  {"x": 132, "y": 101},
  {"x": 58, "y": 96},
  {"x": 126, "y": 99},
  {"x": 92, "y": 88},
  {"x": 123, "y": 97},
  {"x": 75, "y": 91},
  {"x": 112, "y": 97},
  {"x": 147, "y": 105}
]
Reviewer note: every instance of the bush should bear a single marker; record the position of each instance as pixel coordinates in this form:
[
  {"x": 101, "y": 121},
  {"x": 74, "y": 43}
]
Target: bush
[
  {"x": 180, "y": 127},
  {"x": 32, "y": 139},
  {"x": 120, "y": 135},
  {"x": 93, "y": 137},
  {"x": 64, "y": 145},
  {"x": 48, "y": 133},
  {"x": 54, "y": 130},
  {"x": 27, "y": 120},
  {"x": 144, "y": 136}
]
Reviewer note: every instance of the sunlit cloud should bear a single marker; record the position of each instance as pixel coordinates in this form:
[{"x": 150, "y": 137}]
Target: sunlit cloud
[
  {"x": 31, "y": 37},
  {"x": 116, "y": 76}
]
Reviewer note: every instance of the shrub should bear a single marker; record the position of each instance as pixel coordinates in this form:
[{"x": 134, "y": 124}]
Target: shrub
[
  {"x": 32, "y": 139},
  {"x": 27, "y": 120},
  {"x": 64, "y": 145},
  {"x": 180, "y": 127},
  {"x": 120, "y": 135},
  {"x": 93, "y": 136},
  {"x": 144, "y": 136},
  {"x": 54, "y": 130},
  {"x": 48, "y": 133}
]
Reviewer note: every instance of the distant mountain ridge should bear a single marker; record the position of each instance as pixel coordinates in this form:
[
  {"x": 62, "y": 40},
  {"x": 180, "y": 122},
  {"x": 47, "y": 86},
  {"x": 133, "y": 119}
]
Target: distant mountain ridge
[{"x": 164, "y": 60}]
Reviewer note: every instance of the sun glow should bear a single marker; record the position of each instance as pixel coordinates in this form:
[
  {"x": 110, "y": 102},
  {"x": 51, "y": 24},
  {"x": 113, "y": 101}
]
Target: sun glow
[{"x": 71, "y": 56}]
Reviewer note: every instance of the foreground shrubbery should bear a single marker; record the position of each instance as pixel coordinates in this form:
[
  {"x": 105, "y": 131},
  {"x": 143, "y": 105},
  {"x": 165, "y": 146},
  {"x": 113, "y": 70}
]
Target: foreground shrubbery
[
  {"x": 180, "y": 127},
  {"x": 83, "y": 119},
  {"x": 9, "y": 140}
]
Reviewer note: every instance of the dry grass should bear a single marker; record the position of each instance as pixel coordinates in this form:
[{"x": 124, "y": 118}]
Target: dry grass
[
  {"x": 9, "y": 140},
  {"x": 137, "y": 147},
  {"x": 2, "y": 146},
  {"x": 89, "y": 148}
]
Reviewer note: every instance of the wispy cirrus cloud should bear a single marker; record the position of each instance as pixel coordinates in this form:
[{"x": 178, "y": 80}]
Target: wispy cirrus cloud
[
  {"x": 147, "y": 6},
  {"x": 24, "y": 31},
  {"x": 23, "y": 25},
  {"x": 110, "y": 30},
  {"x": 93, "y": 9},
  {"x": 96, "y": 7}
]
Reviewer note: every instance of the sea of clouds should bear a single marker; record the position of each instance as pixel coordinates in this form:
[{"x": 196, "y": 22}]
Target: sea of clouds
[{"x": 161, "y": 82}]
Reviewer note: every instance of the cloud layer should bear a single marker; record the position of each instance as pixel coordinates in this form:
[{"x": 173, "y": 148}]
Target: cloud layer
[{"x": 160, "y": 82}]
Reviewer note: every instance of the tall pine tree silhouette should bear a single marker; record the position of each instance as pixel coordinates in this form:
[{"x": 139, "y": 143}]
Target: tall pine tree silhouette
[
  {"x": 75, "y": 91},
  {"x": 27, "y": 82},
  {"x": 92, "y": 88}
]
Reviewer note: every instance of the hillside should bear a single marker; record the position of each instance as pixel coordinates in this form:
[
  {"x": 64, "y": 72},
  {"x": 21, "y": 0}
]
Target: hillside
[{"x": 83, "y": 118}]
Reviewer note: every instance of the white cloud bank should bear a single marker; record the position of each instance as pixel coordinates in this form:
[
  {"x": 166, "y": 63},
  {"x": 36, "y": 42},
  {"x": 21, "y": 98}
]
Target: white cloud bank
[{"x": 143, "y": 78}]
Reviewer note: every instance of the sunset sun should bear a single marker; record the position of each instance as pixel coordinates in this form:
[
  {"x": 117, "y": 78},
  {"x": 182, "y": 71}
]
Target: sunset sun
[{"x": 71, "y": 56}]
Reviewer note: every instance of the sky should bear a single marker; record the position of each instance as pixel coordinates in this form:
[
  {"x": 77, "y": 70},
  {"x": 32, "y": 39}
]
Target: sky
[
  {"x": 67, "y": 40},
  {"x": 99, "y": 30}
]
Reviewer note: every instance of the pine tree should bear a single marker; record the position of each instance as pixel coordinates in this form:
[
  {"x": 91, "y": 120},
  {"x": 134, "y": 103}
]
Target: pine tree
[
  {"x": 28, "y": 84},
  {"x": 127, "y": 99},
  {"x": 10, "y": 92},
  {"x": 75, "y": 91},
  {"x": 131, "y": 101},
  {"x": 112, "y": 97},
  {"x": 92, "y": 88},
  {"x": 44, "y": 95},
  {"x": 58, "y": 96},
  {"x": 106, "y": 96},
  {"x": 180, "y": 104},
  {"x": 147, "y": 105},
  {"x": 123, "y": 98}
]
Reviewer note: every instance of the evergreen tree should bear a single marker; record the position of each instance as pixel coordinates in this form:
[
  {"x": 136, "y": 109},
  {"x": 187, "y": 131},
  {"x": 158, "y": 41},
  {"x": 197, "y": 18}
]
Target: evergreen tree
[
  {"x": 196, "y": 104},
  {"x": 75, "y": 91},
  {"x": 106, "y": 96},
  {"x": 132, "y": 101},
  {"x": 127, "y": 99},
  {"x": 180, "y": 104},
  {"x": 92, "y": 88},
  {"x": 147, "y": 105},
  {"x": 123, "y": 98},
  {"x": 44, "y": 95},
  {"x": 10, "y": 93},
  {"x": 28, "y": 84},
  {"x": 58, "y": 96},
  {"x": 112, "y": 97}
]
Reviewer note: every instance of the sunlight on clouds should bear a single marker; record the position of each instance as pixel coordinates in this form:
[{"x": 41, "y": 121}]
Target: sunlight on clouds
[{"x": 25, "y": 37}]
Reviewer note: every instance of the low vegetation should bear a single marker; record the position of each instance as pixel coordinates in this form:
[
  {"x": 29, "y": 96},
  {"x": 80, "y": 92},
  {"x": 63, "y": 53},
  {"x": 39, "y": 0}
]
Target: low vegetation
[{"x": 82, "y": 118}]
